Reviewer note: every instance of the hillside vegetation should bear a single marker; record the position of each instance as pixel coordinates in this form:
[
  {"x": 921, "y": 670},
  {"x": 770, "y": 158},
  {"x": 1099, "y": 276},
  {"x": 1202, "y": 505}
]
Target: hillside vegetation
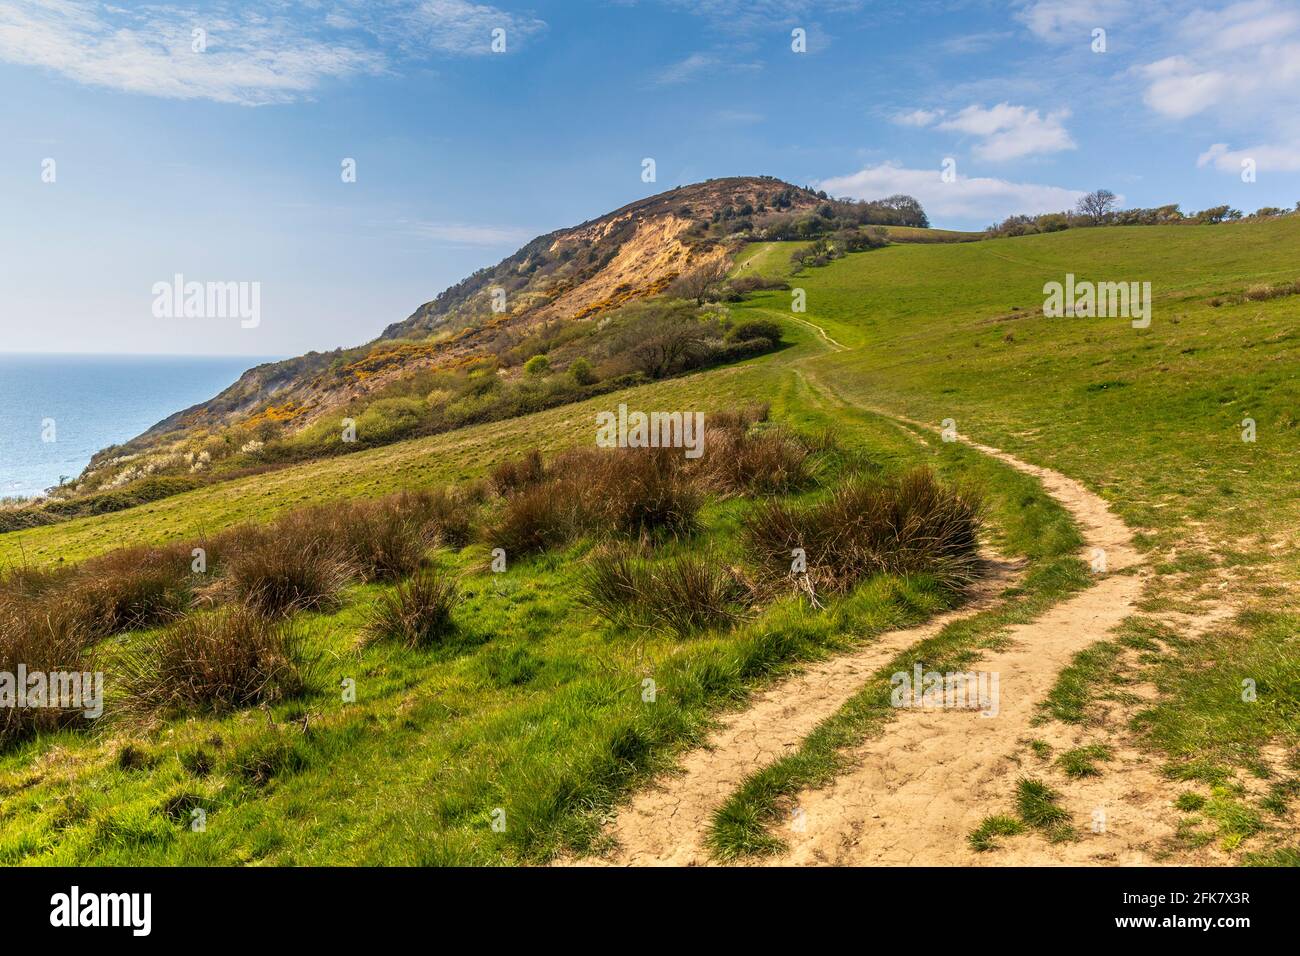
[{"x": 525, "y": 718}]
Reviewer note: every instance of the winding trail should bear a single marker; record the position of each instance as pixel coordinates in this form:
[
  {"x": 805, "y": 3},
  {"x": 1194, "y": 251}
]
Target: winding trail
[
  {"x": 915, "y": 791},
  {"x": 918, "y": 789},
  {"x": 666, "y": 823}
]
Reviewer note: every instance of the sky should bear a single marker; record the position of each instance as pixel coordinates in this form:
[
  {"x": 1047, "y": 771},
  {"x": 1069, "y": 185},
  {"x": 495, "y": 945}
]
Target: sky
[{"x": 139, "y": 142}]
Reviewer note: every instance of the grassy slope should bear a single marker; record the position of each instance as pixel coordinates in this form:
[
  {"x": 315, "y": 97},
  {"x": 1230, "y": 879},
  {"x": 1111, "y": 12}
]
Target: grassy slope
[
  {"x": 1151, "y": 419},
  {"x": 538, "y": 710}
]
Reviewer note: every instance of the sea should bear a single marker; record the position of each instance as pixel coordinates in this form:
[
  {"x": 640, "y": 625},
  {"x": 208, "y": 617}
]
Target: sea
[{"x": 58, "y": 410}]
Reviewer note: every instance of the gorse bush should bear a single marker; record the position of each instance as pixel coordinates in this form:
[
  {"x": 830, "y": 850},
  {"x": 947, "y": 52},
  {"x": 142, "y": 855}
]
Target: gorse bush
[
  {"x": 417, "y": 613},
  {"x": 218, "y": 661},
  {"x": 865, "y": 527}
]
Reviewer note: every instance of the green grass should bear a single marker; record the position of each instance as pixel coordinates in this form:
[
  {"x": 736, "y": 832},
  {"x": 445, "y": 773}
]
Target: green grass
[
  {"x": 1082, "y": 761},
  {"x": 1037, "y": 805},
  {"x": 983, "y": 838},
  {"x": 537, "y": 710}
]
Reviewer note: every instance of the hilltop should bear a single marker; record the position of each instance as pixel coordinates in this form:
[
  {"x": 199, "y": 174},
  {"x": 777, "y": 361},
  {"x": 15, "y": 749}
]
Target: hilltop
[{"x": 567, "y": 305}]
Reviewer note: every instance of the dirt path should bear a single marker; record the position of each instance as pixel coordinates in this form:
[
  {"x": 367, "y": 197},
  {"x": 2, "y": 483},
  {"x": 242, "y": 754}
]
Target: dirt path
[
  {"x": 917, "y": 790},
  {"x": 666, "y": 823}
]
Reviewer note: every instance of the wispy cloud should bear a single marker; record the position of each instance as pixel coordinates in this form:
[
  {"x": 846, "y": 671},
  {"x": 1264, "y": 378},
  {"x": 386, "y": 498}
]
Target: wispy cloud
[
  {"x": 252, "y": 55},
  {"x": 977, "y": 199},
  {"x": 1011, "y": 132},
  {"x": 1065, "y": 20},
  {"x": 917, "y": 117},
  {"x": 465, "y": 234},
  {"x": 684, "y": 70}
]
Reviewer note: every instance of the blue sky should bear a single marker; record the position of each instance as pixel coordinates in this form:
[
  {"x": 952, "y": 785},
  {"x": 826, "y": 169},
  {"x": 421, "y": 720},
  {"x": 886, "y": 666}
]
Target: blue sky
[{"x": 223, "y": 164}]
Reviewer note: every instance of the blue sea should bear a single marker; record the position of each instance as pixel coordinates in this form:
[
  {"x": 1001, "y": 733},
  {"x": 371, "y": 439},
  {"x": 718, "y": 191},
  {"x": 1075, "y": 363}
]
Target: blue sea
[{"x": 93, "y": 401}]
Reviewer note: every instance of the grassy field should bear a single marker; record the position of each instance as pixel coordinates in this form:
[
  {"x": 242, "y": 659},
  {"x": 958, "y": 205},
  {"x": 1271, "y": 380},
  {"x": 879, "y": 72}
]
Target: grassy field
[
  {"x": 1152, "y": 420},
  {"x": 535, "y": 718}
]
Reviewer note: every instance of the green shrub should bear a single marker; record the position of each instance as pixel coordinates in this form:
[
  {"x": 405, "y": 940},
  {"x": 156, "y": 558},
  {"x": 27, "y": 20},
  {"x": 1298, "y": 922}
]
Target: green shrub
[
  {"x": 752, "y": 329},
  {"x": 581, "y": 371}
]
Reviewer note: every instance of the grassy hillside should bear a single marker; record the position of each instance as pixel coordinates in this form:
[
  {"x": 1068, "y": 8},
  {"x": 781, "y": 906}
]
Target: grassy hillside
[
  {"x": 1152, "y": 419},
  {"x": 537, "y": 709}
]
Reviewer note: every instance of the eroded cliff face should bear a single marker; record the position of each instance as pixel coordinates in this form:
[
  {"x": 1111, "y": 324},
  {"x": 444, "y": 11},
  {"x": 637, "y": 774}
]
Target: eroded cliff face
[{"x": 574, "y": 274}]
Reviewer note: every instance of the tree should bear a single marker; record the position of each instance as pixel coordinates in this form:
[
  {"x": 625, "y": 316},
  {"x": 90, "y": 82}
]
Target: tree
[
  {"x": 1097, "y": 205},
  {"x": 701, "y": 285},
  {"x": 581, "y": 371},
  {"x": 661, "y": 338}
]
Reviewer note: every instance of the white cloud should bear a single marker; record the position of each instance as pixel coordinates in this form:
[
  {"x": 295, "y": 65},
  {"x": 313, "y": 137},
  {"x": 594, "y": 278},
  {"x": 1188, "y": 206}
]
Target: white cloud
[
  {"x": 968, "y": 43},
  {"x": 447, "y": 26},
  {"x": 1278, "y": 159},
  {"x": 463, "y": 234},
  {"x": 255, "y": 55},
  {"x": 1010, "y": 132},
  {"x": 971, "y": 199},
  {"x": 918, "y": 117},
  {"x": 1066, "y": 20},
  {"x": 739, "y": 117},
  {"x": 685, "y": 70},
  {"x": 1240, "y": 65}
]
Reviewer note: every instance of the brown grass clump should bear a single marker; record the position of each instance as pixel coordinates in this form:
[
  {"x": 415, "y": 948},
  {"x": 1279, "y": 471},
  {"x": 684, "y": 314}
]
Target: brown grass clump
[
  {"x": 220, "y": 661},
  {"x": 42, "y": 636},
  {"x": 416, "y": 614},
  {"x": 773, "y": 461},
  {"x": 518, "y": 473},
  {"x": 912, "y": 525},
  {"x": 296, "y": 563}
]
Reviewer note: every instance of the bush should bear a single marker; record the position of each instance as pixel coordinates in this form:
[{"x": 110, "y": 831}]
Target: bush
[
  {"x": 43, "y": 636},
  {"x": 515, "y": 474},
  {"x": 913, "y": 525},
  {"x": 296, "y": 563},
  {"x": 752, "y": 329},
  {"x": 537, "y": 365},
  {"x": 580, "y": 370},
  {"x": 220, "y": 661},
  {"x": 418, "y": 613},
  {"x": 683, "y": 595}
]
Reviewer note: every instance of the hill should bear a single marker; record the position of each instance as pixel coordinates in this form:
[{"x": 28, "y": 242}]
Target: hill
[{"x": 1179, "y": 723}]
